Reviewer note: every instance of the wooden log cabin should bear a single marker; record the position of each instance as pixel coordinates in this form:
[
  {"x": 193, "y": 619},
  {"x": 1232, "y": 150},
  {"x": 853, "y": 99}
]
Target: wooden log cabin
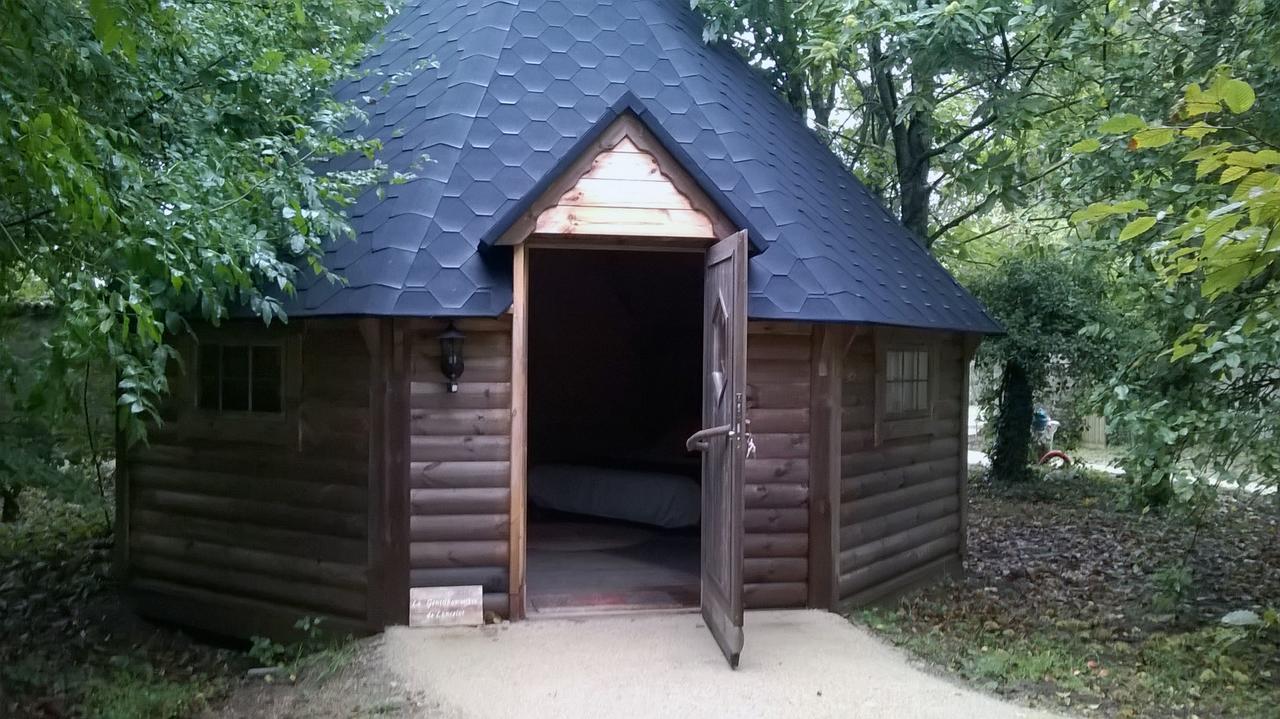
[{"x": 632, "y": 339}]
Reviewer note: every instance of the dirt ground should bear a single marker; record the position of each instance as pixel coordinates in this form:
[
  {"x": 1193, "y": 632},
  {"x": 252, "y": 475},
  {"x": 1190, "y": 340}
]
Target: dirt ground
[{"x": 360, "y": 688}]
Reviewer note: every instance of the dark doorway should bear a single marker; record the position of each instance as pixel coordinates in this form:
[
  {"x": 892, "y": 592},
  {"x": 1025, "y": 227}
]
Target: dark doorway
[{"x": 615, "y": 352}]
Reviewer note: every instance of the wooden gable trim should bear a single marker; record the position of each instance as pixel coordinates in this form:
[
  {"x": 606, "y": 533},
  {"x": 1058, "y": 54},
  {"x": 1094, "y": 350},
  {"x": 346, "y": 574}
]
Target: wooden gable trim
[{"x": 670, "y": 207}]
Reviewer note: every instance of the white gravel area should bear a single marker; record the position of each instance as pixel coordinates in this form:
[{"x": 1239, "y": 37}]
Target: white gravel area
[{"x": 795, "y": 664}]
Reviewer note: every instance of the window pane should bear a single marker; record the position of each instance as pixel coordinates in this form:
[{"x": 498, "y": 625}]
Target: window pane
[
  {"x": 906, "y": 381},
  {"x": 235, "y": 379},
  {"x": 207, "y": 384},
  {"x": 266, "y": 379}
]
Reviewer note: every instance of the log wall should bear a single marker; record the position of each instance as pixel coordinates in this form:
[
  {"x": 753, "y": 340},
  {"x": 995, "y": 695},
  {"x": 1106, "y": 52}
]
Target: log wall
[
  {"x": 901, "y": 481},
  {"x": 776, "y": 519},
  {"x": 242, "y": 523},
  {"x": 460, "y": 461}
]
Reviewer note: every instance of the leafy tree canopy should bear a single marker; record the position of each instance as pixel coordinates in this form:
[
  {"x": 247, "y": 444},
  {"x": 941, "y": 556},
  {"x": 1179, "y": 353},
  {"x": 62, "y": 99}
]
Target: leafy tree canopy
[
  {"x": 157, "y": 163},
  {"x": 960, "y": 113},
  {"x": 1195, "y": 224},
  {"x": 1046, "y": 302}
]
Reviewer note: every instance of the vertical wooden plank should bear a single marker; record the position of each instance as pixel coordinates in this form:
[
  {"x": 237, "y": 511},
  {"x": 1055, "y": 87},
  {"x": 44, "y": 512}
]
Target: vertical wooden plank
[
  {"x": 519, "y": 429},
  {"x": 824, "y": 461},
  {"x": 372, "y": 330},
  {"x": 821, "y": 383},
  {"x": 970, "y": 346},
  {"x": 877, "y": 387},
  {"x": 396, "y": 493},
  {"x": 292, "y": 391}
]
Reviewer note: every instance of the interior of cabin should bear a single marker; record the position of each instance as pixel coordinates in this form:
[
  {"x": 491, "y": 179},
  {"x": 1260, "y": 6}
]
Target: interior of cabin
[{"x": 615, "y": 353}]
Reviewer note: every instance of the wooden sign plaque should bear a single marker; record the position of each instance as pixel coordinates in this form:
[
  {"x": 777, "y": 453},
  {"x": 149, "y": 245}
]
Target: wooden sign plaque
[{"x": 446, "y": 606}]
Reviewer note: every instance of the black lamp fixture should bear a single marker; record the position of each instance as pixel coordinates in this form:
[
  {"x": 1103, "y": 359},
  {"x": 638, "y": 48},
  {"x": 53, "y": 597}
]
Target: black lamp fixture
[{"x": 451, "y": 355}]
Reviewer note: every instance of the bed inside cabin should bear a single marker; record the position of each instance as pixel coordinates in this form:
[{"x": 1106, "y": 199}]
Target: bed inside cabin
[{"x": 615, "y": 353}]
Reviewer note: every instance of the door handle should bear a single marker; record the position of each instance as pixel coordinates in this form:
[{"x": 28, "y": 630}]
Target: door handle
[{"x": 698, "y": 441}]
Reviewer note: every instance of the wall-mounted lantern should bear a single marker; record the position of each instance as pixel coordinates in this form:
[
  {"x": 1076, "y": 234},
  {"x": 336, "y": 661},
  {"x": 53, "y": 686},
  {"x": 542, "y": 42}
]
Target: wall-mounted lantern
[{"x": 451, "y": 355}]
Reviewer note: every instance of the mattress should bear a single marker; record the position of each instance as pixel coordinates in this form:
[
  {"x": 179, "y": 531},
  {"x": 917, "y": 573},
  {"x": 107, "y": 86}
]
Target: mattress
[{"x": 660, "y": 499}]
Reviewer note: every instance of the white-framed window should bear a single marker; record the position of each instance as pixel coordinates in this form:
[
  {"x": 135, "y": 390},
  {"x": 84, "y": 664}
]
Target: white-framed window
[{"x": 907, "y": 390}]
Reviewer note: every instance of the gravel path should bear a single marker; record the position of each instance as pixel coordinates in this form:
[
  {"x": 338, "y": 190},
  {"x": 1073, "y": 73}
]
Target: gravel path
[{"x": 796, "y": 664}]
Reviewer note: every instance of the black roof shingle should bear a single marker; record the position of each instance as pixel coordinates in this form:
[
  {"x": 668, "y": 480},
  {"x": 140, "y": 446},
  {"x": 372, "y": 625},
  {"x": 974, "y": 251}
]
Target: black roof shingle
[{"x": 519, "y": 86}]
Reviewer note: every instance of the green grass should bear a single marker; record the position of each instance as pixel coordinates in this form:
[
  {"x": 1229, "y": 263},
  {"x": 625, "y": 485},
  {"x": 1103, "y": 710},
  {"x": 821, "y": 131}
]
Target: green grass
[
  {"x": 1212, "y": 671},
  {"x": 995, "y": 657},
  {"x": 137, "y": 691},
  {"x": 67, "y": 640}
]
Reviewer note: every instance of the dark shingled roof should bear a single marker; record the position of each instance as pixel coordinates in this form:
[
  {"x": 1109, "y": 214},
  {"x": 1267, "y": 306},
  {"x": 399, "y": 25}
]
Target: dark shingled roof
[{"x": 521, "y": 86}]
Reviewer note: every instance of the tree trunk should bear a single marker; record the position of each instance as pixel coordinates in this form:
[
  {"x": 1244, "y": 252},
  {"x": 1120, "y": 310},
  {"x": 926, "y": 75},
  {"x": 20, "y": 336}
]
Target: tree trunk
[
  {"x": 912, "y": 140},
  {"x": 1013, "y": 425},
  {"x": 913, "y": 183},
  {"x": 10, "y": 510}
]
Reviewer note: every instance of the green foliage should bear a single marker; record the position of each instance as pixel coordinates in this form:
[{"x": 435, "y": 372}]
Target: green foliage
[
  {"x": 1214, "y": 657},
  {"x": 311, "y": 638},
  {"x": 1215, "y": 667},
  {"x": 1046, "y": 303},
  {"x": 53, "y": 451},
  {"x": 136, "y": 690},
  {"x": 1057, "y": 604},
  {"x": 158, "y": 163},
  {"x": 66, "y": 637},
  {"x": 781, "y": 33},
  {"x": 315, "y": 649},
  {"x": 949, "y": 110},
  {"x": 1198, "y": 239},
  {"x": 1028, "y": 662},
  {"x": 28, "y": 458},
  {"x": 1172, "y": 584},
  {"x": 1223, "y": 232},
  {"x": 267, "y": 652}
]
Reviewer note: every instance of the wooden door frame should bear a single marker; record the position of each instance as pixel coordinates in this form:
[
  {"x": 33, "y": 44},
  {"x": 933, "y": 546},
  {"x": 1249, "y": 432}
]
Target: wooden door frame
[
  {"x": 660, "y": 232},
  {"x": 519, "y": 432},
  {"x": 519, "y": 532}
]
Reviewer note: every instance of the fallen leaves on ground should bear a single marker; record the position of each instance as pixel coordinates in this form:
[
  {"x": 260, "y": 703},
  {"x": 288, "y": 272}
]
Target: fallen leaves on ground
[
  {"x": 65, "y": 632},
  {"x": 1059, "y": 604}
]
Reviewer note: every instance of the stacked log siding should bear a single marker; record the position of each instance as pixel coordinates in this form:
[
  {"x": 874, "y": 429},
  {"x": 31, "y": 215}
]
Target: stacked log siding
[
  {"x": 776, "y": 518},
  {"x": 241, "y": 524},
  {"x": 901, "y": 483},
  {"x": 460, "y": 461}
]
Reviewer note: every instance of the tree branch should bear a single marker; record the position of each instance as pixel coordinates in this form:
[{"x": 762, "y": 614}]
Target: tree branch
[
  {"x": 29, "y": 217},
  {"x": 991, "y": 197}
]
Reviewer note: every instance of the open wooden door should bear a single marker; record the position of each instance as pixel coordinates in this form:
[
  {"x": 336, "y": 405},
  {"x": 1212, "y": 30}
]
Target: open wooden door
[{"x": 723, "y": 440}]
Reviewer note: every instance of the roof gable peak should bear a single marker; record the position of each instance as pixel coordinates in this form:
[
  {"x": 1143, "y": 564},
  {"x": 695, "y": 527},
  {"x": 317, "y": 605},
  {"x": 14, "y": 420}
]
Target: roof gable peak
[{"x": 624, "y": 184}]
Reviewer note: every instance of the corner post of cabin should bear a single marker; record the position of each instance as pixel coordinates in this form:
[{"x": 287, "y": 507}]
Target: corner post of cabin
[
  {"x": 396, "y": 474},
  {"x": 371, "y": 332},
  {"x": 519, "y": 430},
  {"x": 824, "y": 463},
  {"x": 969, "y": 347},
  {"x": 388, "y": 594}
]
